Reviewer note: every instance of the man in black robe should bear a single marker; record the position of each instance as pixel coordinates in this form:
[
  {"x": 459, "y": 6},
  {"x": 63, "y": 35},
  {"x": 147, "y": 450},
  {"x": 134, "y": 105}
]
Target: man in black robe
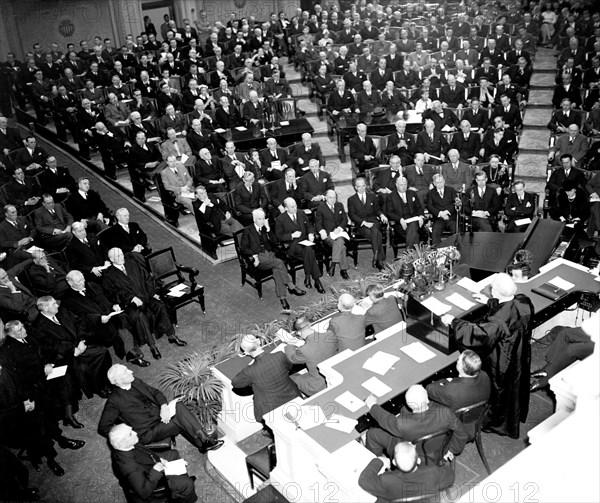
[{"x": 502, "y": 340}]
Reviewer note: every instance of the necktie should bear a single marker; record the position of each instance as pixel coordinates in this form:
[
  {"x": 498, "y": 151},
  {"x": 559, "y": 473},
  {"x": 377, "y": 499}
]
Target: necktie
[
  {"x": 250, "y": 189},
  {"x": 481, "y": 193},
  {"x": 363, "y": 199},
  {"x": 441, "y": 193},
  {"x": 294, "y": 218},
  {"x": 55, "y": 320}
]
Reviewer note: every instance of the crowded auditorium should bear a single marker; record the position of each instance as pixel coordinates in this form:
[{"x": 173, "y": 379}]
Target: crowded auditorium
[{"x": 303, "y": 251}]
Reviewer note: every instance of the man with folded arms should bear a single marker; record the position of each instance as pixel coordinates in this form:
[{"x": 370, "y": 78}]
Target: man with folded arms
[{"x": 146, "y": 410}]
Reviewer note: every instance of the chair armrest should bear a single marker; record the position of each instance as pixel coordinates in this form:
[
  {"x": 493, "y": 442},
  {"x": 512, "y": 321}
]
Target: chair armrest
[{"x": 193, "y": 272}]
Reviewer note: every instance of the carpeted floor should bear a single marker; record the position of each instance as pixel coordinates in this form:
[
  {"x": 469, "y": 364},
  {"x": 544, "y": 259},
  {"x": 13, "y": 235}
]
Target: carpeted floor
[{"x": 229, "y": 308}]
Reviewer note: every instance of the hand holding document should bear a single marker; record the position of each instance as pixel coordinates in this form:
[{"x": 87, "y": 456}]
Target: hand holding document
[
  {"x": 173, "y": 406},
  {"x": 57, "y": 372},
  {"x": 175, "y": 467},
  {"x": 340, "y": 234}
]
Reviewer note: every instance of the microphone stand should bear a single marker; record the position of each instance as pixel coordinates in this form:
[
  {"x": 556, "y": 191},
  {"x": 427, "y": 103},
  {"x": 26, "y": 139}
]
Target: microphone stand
[
  {"x": 274, "y": 112},
  {"x": 264, "y": 116}
]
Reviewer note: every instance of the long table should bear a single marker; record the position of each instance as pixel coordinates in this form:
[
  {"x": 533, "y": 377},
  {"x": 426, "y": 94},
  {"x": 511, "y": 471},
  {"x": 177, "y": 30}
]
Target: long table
[{"x": 256, "y": 136}]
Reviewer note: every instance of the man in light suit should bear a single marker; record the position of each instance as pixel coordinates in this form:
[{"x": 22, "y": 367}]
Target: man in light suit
[
  {"x": 364, "y": 211},
  {"x": 292, "y": 228},
  {"x": 331, "y": 217},
  {"x": 573, "y": 143},
  {"x": 441, "y": 205},
  {"x": 483, "y": 204},
  {"x": 176, "y": 179},
  {"x": 317, "y": 348},
  {"x": 177, "y": 147},
  {"x": 268, "y": 374},
  {"x": 347, "y": 327}
]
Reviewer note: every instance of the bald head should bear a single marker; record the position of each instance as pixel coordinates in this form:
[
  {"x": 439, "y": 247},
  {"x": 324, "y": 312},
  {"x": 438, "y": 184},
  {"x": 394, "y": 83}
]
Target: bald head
[
  {"x": 406, "y": 457},
  {"x": 346, "y": 302},
  {"x": 416, "y": 398},
  {"x": 503, "y": 287}
]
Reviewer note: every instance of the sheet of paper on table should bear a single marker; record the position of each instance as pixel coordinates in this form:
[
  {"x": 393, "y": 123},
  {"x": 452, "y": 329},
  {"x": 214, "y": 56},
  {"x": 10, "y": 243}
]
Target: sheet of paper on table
[
  {"x": 558, "y": 282},
  {"x": 284, "y": 123},
  {"x": 376, "y": 387},
  {"x": 341, "y": 423},
  {"x": 468, "y": 284},
  {"x": 437, "y": 307},
  {"x": 523, "y": 221},
  {"x": 380, "y": 362},
  {"x": 350, "y": 401},
  {"x": 461, "y": 302},
  {"x": 176, "y": 467},
  {"x": 310, "y": 416},
  {"x": 57, "y": 372},
  {"x": 418, "y": 352}
]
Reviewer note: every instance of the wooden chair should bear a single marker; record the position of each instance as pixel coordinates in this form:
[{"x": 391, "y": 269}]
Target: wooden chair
[
  {"x": 250, "y": 274},
  {"x": 260, "y": 463},
  {"x": 168, "y": 274},
  {"x": 433, "y": 447},
  {"x": 472, "y": 416}
]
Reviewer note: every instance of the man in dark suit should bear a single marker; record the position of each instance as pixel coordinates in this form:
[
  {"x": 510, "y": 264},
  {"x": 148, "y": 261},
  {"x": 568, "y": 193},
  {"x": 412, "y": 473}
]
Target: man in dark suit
[
  {"x": 318, "y": 346},
  {"x": 47, "y": 275},
  {"x": 208, "y": 172},
  {"x": 363, "y": 150},
  {"x": 402, "y": 205},
  {"x": 407, "y": 78},
  {"x": 276, "y": 160},
  {"x": 22, "y": 191},
  {"x": 340, "y": 100},
  {"x": 56, "y": 180},
  {"x": 330, "y": 221},
  {"x": 15, "y": 298},
  {"x": 483, "y": 204},
  {"x": 16, "y": 233},
  {"x": 232, "y": 164},
  {"x": 519, "y": 205},
  {"x": 445, "y": 120},
  {"x": 85, "y": 254},
  {"x": 227, "y": 116},
  {"x": 420, "y": 177},
  {"x": 32, "y": 157},
  {"x": 509, "y": 112},
  {"x": 307, "y": 151},
  {"x": 452, "y": 94},
  {"x": 411, "y": 479},
  {"x": 562, "y": 174},
  {"x": 467, "y": 143},
  {"x": 384, "y": 312},
  {"x": 420, "y": 417},
  {"x": 87, "y": 205},
  {"x": 258, "y": 244},
  {"x": 291, "y": 228},
  {"x": 146, "y": 410},
  {"x": 365, "y": 213},
  {"x": 470, "y": 387},
  {"x": 214, "y": 219},
  {"x": 247, "y": 197},
  {"x": 441, "y": 204},
  {"x": 126, "y": 235},
  {"x": 401, "y": 144},
  {"x": 141, "y": 470},
  {"x": 432, "y": 143},
  {"x": 62, "y": 342},
  {"x": 268, "y": 374},
  {"x": 199, "y": 137},
  {"x": 144, "y": 161},
  {"x": 477, "y": 116},
  {"x": 130, "y": 285},
  {"x": 314, "y": 184},
  {"x": 384, "y": 180},
  {"x": 53, "y": 224},
  {"x": 10, "y": 138},
  {"x": 347, "y": 327},
  {"x": 281, "y": 189},
  {"x": 562, "y": 119}
]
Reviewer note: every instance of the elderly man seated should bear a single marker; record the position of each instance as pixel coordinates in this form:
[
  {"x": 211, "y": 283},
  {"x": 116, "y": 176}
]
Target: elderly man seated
[
  {"x": 142, "y": 470},
  {"x": 176, "y": 179},
  {"x": 146, "y": 410}
]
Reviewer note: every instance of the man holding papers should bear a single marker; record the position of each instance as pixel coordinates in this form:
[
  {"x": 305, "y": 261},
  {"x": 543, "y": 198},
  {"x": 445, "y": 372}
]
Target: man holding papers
[
  {"x": 404, "y": 208},
  {"x": 146, "y": 410},
  {"x": 296, "y": 233},
  {"x": 269, "y": 376},
  {"x": 420, "y": 417},
  {"x": 141, "y": 470},
  {"x": 519, "y": 208},
  {"x": 317, "y": 348},
  {"x": 331, "y": 223},
  {"x": 384, "y": 312}
]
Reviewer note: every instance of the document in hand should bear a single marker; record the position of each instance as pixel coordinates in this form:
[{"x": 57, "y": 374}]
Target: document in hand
[
  {"x": 306, "y": 242},
  {"x": 173, "y": 407},
  {"x": 176, "y": 467},
  {"x": 57, "y": 372},
  {"x": 334, "y": 235}
]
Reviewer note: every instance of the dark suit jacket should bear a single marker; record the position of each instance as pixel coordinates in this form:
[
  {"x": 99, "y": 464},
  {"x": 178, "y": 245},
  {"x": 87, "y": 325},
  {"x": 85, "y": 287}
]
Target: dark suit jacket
[
  {"x": 249, "y": 111},
  {"x": 435, "y": 203},
  {"x": 380, "y": 81},
  {"x": 300, "y": 152},
  {"x": 44, "y": 220},
  {"x": 251, "y": 244},
  {"x": 516, "y": 210},
  {"x": 51, "y": 181},
  {"x": 390, "y": 485},
  {"x": 17, "y": 193},
  {"x": 205, "y": 173},
  {"x": 449, "y": 118},
  {"x": 87, "y": 208},
  {"x": 88, "y": 309},
  {"x": 139, "y": 157},
  {"x": 339, "y": 103},
  {"x": 385, "y": 178},
  {"x": 437, "y": 147},
  {"x": 466, "y": 148},
  {"x": 407, "y": 80},
  {"x": 349, "y": 330},
  {"x": 409, "y": 426},
  {"x": 318, "y": 347},
  {"x": 453, "y": 98},
  {"x": 394, "y": 206},
  {"x": 197, "y": 142},
  {"x": 21, "y": 302},
  {"x": 278, "y": 192},
  {"x": 10, "y": 235},
  {"x": 245, "y": 201},
  {"x": 270, "y": 380},
  {"x": 359, "y": 212},
  {"x": 138, "y": 407},
  {"x": 11, "y": 140},
  {"x": 328, "y": 220},
  {"x": 282, "y": 156},
  {"x": 311, "y": 187},
  {"x": 383, "y": 314},
  {"x": 477, "y": 120},
  {"x": 210, "y": 220},
  {"x": 84, "y": 257},
  {"x": 358, "y": 148},
  {"x": 23, "y": 158},
  {"x": 230, "y": 120},
  {"x": 367, "y": 103},
  {"x": 57, "y": 343},
  {"x": 406, "y": 154},
  {"x": 49, "y": 283},
  {"x": 490, "y": 201},
  {"x": 512, "y": 118},
  {"x": 285, "y": 227},
  {"x": 116, "y": 237},
  {"x": 121, "y": 289}
]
